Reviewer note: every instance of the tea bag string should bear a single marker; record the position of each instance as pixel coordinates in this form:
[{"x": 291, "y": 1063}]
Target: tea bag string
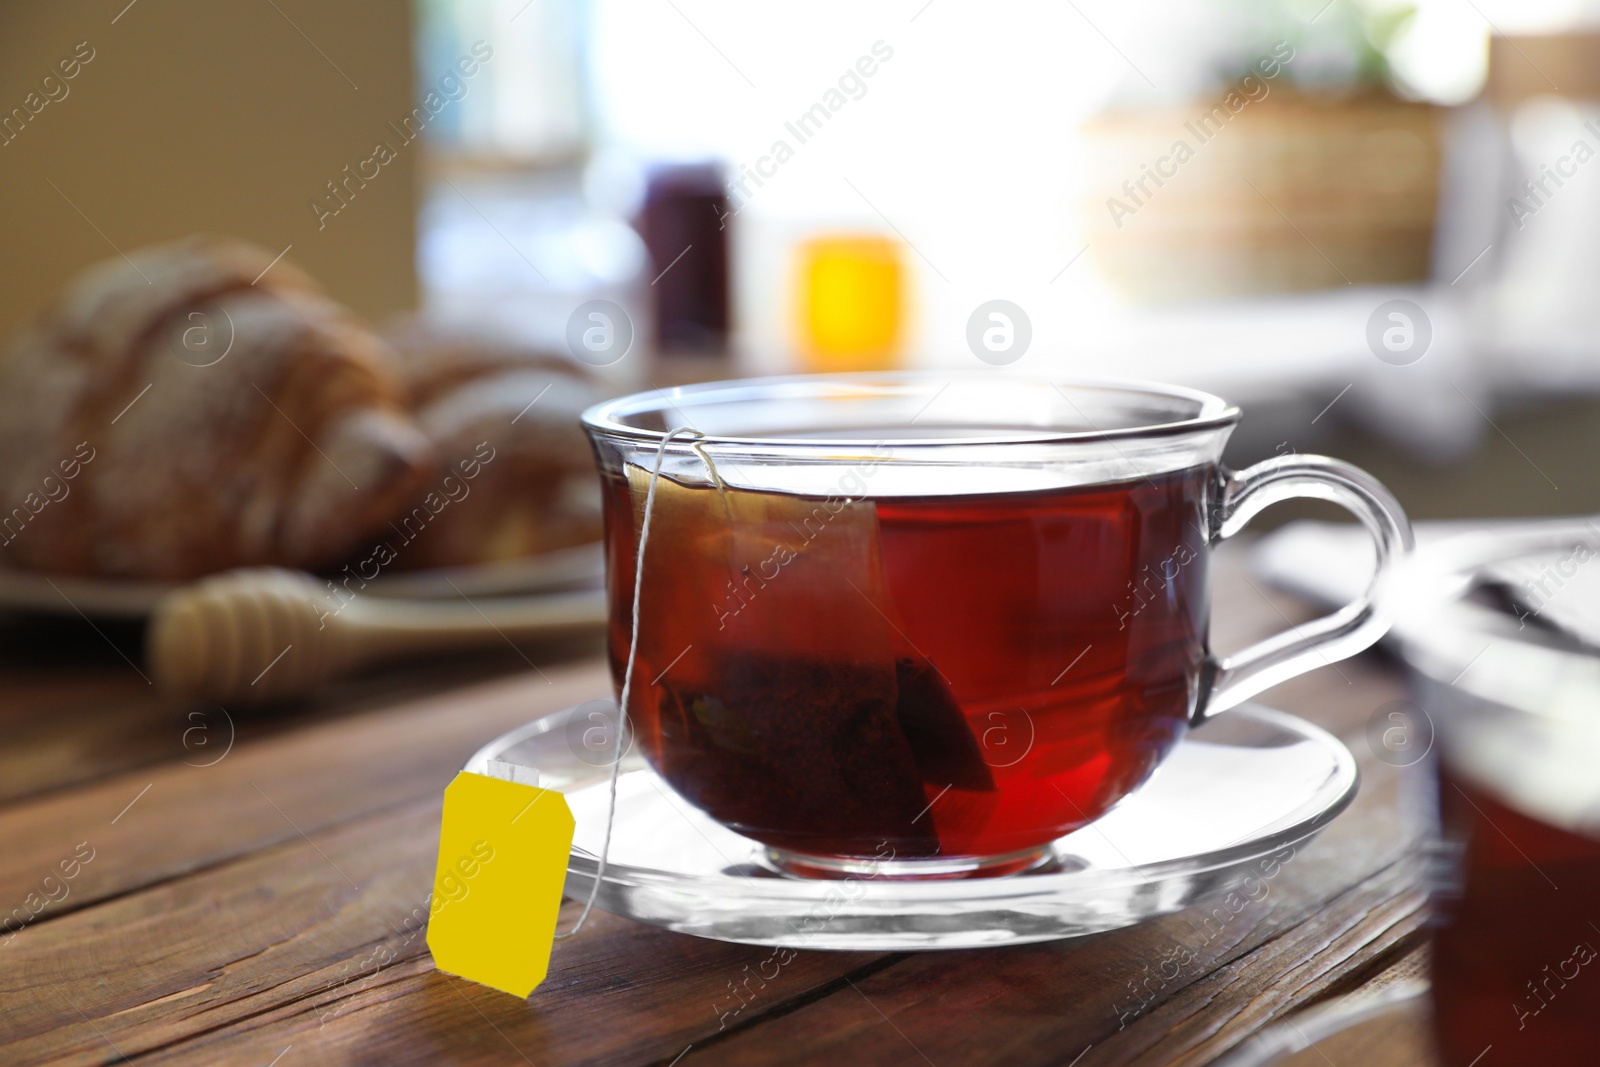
[
  {"x": 716, "y": 479},
  {"x": 633, "y": 654}
]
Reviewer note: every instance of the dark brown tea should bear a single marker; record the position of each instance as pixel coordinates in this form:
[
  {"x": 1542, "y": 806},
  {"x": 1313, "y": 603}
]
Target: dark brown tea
[
  {"x": 1514, "y": 959},
  {"x": 962, "y": 675}
]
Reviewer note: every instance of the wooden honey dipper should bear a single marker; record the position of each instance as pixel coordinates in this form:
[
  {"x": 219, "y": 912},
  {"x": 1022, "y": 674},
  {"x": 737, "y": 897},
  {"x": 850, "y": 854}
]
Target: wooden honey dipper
[{"x": 267, "y": 633}]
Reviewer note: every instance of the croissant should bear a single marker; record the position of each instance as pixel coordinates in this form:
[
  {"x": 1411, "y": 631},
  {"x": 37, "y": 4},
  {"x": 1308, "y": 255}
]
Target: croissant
[
  {"x": 198, "y": 406},
  {"x": 520, "y": 476}
]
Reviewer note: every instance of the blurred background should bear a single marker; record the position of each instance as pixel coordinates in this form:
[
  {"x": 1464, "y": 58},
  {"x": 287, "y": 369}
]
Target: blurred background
[{"x": 1225, "y": 194}]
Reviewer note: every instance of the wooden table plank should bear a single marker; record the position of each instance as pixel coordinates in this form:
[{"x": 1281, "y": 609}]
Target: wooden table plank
[
  {"x": 75, "y": 710},
  {"x": 55, "y": 672},
  {"x": 267, "y": 951},
  {"x": 1342, "y": 903},
  {"x": 208, "y": 929},
  {"x": 184, "y": 817},
  {"x": 314, "y": 941}
]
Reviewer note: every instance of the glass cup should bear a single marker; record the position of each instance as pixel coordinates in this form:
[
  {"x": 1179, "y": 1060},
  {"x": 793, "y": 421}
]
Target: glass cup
[
  {"x": 1507, "y": 678},
  {"x": 923, "y": 626}
]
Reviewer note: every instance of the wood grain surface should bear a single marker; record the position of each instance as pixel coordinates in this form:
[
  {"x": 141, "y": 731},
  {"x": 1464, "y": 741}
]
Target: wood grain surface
[{"x": 255, "y": 910}]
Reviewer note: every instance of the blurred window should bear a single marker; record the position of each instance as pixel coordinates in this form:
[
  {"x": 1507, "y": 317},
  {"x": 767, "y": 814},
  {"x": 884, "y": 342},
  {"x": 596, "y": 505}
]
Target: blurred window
[{"x": 526, "y": 104}]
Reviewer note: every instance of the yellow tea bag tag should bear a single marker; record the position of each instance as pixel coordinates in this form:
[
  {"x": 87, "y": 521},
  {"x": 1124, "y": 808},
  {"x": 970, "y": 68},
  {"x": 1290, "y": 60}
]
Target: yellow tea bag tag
[{"x": 503, "y": 848}]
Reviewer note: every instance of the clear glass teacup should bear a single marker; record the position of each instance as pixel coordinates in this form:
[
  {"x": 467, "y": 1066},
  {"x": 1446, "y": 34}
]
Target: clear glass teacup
[{"x": 923, "y": 626}]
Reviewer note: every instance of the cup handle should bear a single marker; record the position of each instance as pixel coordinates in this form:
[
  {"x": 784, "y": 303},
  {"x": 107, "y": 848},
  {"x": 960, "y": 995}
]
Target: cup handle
[{"x": 1234, "y": 679}]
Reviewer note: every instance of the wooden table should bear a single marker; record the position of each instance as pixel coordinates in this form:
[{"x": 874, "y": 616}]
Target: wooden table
[{"x": 246, "y": 904}]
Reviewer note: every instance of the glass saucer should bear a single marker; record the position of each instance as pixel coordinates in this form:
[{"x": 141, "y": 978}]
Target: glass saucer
[{"x": 1243, "y": 786}]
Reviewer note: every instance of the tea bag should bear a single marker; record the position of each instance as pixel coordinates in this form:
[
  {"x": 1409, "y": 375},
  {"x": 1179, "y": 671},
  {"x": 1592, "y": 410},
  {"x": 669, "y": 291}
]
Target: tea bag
[
  {"x": 945, "y": 750},
  {"x": 778, "y": 716},
  {"x": 837, "y": 548}
]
